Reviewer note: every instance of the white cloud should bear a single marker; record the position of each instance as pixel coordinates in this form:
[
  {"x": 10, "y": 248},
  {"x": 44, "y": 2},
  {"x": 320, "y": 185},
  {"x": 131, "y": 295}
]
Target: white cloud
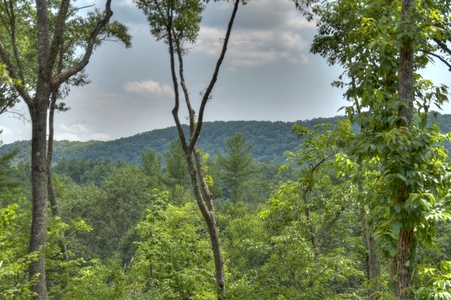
[
  {"x": 253, "y": 47},
  {"x": 79, "y": 132},
  {"x": 149, "y": 87}
]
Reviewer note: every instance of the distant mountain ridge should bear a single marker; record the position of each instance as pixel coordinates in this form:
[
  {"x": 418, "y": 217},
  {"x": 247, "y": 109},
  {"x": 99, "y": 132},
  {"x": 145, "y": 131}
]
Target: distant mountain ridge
[{"x": 269, "y": 139}]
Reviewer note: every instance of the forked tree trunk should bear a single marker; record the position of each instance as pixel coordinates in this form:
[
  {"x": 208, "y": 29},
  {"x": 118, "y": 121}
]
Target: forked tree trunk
[
  {"x": 203, "y": 195},
  {"x": 204, "y": 199}
]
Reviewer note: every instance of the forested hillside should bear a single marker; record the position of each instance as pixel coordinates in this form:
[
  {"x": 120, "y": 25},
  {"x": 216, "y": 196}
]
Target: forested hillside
[{"x": 269, "y": 140}]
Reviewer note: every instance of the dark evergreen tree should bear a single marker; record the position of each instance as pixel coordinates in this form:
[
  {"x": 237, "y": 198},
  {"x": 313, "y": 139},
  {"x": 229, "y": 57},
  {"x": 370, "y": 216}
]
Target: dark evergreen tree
[{"x": 236, "y": 167}]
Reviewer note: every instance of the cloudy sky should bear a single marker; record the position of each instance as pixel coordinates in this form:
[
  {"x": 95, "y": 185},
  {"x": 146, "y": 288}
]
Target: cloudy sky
[{"x": 268, "y": 74}]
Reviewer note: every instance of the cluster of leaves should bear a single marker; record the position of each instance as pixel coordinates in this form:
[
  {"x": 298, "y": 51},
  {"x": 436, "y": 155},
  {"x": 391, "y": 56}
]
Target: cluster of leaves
[{"x": 14, "y": 259}]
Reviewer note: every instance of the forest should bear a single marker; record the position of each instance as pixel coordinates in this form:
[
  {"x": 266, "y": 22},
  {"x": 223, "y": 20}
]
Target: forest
[
  {"x": 353, "y": 207},
  {"x": 269, "y": 141}
]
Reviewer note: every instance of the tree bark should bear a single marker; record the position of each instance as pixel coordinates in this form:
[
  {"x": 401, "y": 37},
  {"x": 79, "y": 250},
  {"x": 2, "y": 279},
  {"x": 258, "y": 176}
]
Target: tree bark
[
  {"x": 204, "y": 199},
  {"x": 406, "y": 70},
  {"x": 213, "y": 231},
  {"x": 51, "y": 192},
  {"x": 374, "y": 267},
  {"x": 372, "y": 259},
  {"x": 39, "y": 195},
  {"x": 406, "y": 82},
  {"x": 404, "y": 263},
  {"x": 406, "y": 95}
]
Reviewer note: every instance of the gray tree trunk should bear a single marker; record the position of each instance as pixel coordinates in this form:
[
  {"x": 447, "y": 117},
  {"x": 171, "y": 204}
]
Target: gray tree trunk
[
  {"x": 51, "y": 192},
  {"x": 39, "y": 215},
  {"x": 373, "y": 262}
]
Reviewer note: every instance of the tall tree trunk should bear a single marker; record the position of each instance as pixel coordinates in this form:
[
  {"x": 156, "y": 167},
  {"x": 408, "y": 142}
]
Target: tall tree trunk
[
  {"x": 44, "y": 80},
  {"x": 39, "y": 223},
  {"x": 51, "y": 193},
  {"x": 372, "y": 259},
  {"x": 406, "y": 95},
  {"x": 406, "y": 72},
  {"x": 404, "y": 263},
  {"x": 217, "y": 256},
  {"x": 203, "y": 195},
  {"x": 374, "y": 266},
  {"x": 204, "y": 200}
]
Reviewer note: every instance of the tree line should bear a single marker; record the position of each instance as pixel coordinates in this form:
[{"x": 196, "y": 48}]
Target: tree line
[{"x": 269, "y": 141}]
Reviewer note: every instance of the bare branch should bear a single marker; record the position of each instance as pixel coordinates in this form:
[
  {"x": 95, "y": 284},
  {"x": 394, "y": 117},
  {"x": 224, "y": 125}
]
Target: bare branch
[
  {"x": 443, "y": 60},
  {"x": 7, "y": 105},
  {"x": 80, "y": 8},
  {"x": 192, "y": 113},
  {"x": 195, "y": 135},
  {"x": 175, "y": 110}
]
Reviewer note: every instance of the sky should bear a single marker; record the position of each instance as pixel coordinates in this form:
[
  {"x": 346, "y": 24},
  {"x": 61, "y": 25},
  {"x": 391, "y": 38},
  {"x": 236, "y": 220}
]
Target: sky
[{"x": 268, "y": 74}]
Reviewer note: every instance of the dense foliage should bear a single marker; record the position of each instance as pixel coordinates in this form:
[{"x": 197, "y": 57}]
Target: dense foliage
[{"x": 133, "y": 232}]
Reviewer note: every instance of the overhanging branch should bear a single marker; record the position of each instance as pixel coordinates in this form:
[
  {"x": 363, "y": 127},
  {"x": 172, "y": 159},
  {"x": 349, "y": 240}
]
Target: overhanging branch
[
  {"x": 64, "y": 76},
  {"x": 443, "y": 60}
]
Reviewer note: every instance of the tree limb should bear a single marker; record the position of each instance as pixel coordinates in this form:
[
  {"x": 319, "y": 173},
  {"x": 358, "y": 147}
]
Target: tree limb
[
  {"x": 12, "y": 33},
  {"x": 439, "y": 57},
  {"x": 64, "y": 76},
  {"x": 443, "y": 46},
  {"x": 195, "y": 135},
  {"x": 43, "y": 37},
  {"x": 57, "y": 39},
  {"x": 18, "y": 84}
]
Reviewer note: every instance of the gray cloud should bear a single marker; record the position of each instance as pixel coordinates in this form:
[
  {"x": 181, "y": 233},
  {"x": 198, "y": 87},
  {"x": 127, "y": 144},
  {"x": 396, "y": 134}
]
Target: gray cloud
[{"x": 266, "y": 32}]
